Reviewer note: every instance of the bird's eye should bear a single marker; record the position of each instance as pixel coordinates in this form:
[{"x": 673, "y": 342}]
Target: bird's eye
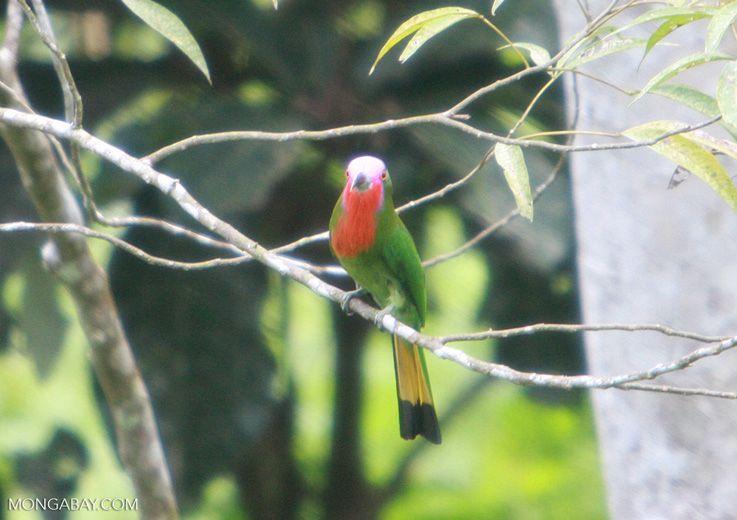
[
  {"x": 346, "y": 174},
  {"x": 383, "y": 175}
]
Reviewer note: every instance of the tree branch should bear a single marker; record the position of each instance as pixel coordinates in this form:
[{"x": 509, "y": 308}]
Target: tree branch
[
  {"x": 64, "y": 228},
  {"x": 70, "y": 259},
  {"x": 287, "y": 268},
  {"x": 450, "y": 117},
  {"x": 563, "y": 327}
]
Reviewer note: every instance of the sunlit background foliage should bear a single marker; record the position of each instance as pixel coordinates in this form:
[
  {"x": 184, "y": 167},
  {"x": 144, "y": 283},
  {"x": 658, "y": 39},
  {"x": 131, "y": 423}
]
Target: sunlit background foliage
[{"x": 272, "y": 403}]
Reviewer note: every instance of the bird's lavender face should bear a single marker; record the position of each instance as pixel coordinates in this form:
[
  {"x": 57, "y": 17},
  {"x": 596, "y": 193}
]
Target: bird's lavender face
[{"x": 366, "y": 173}]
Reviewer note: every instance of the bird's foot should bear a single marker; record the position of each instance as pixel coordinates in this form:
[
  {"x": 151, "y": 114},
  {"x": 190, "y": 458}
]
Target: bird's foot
[
  {"x": 348, "y": 296},
  {"x": 382, "y": 313}
]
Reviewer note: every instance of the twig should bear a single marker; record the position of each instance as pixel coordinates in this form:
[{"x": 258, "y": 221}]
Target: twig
[
  {"x": 65, "y": 228},
  {"x": 42, "y": 24},
  {"x": 58, "y": 228},
  {"x": 594, "y": 147},
  {"x": 172, "y": 188},
  {"x": 47, "y": 227},
  {"x": 496, "y": 225},
  {"x": 307, "y": 135},
  {"x": 443, "y": 119},
  {"x": 69, "y": 257},
  {"x": 563, "y": 327},
  {"x": 595, "y": 78},
  {"x": 448, "y": 117},
  {"x": 74, "y": 110}
]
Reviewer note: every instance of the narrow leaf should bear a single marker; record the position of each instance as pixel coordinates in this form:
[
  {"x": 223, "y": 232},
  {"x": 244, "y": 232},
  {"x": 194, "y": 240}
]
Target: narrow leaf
[
  {"x": 512, "y": 161},
  {"x": 676, "y": 68},
  {"x": 583, "y": 44},
  {"x": 690, "y": 97},
  {"x": 276, "y": 4},
  {"x": 496, "y": 5},
  {"x": 538, "y": 55},
  {"x": 695, "y": 100},
  {"x": 686, "y": 152},
  {"x": 417, "y": 22},
  {"x": 722, "y": 19},
  {"x": 667, "y": 27},
  {"x": 727, "y": 93},
  {"x": 660, "y": 14},
  {"x": 656, "y": 15},
  {"x": 426, "y": 32},
  {"x": 603, "y": 48},
  {"x": 166, "y": 23},
  {"x": 715, "y": 144}
]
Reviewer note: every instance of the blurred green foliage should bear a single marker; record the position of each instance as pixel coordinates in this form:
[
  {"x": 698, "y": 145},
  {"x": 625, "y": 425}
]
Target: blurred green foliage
[{"x": 271, "y": 403}]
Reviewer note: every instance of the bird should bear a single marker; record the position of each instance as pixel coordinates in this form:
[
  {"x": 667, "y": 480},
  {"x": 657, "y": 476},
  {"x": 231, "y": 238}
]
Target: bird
[{"x": 373, "y": 245}]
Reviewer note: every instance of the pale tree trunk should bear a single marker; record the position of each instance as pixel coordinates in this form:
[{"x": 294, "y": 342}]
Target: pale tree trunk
[{"x": 649, "y": 254}]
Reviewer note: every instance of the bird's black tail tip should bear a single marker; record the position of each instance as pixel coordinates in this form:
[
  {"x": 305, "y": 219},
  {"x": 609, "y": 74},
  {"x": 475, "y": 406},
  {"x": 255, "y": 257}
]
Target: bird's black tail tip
[{"x": 419, "y": 419}]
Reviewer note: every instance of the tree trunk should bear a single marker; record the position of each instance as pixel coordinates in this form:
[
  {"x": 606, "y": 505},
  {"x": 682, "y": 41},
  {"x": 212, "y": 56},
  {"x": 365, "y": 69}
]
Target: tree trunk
[{"x": 649, "y": 254}]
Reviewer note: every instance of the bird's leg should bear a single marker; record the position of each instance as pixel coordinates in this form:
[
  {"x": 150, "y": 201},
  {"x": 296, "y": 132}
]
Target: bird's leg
[
  {"x": 383, "y": 312},
  {"x": 348, "y": 296}
]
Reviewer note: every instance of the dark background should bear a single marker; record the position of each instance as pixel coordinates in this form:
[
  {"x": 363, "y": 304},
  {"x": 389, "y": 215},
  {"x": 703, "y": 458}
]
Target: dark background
[{"x": 271, "y": 402}]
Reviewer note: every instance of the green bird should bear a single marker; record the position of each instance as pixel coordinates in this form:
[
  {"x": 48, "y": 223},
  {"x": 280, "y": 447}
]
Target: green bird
[{"x": 371, "y": 242}]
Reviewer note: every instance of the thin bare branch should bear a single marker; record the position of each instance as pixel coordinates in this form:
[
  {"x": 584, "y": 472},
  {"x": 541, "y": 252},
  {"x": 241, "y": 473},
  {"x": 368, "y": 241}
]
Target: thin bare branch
[
  {"x": 58, "y": 228},
  {"x": 70, "y": 259},
  {"x": 498, "y": 224},
  {"x": 593, "y": 147},
  {"x": 41, "y": 22},
  {"x": 174, "y": 189},
  {"x": 677, "y": 390},
  {"x": 593, "y": 77},
  {"x": 74, "y": 112},
  {"x": 306, "y": 135},
  {"x": 442, "y": 119},
  {"x": 572, "y": 328},
  {"x": 47, "y": 227},
  {"x": 451, "y": 117}
]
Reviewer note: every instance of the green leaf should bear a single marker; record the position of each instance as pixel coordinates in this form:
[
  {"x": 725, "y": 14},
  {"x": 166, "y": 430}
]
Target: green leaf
[
  {"x": 695, "y": 100},
  {"x": 585, "y": 44},
  {"x": 512, "y": 161},
  {"x": 432, "y": 22},
  {"x": 723, "y": 18},
  {"x": 660, "y": 14},
  {"x": 727, "y": 93},
  {"x": 676, "y": 68},
  {"x": 538, "y": 54},
  {"x": 166, "y": 23},
  {"x": 670, "y": 25},
  {"x": 689, "y": 97},
  {"x": 427, "y": 31},
  {"x": 687, "y": 152},
  {"x": 496, "y": 5},
  {"x": 716, "y": 144},
  {"x": 603, "y": 48}
]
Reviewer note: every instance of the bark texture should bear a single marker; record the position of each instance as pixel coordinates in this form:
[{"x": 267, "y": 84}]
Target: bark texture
[
  {"x": 69, "y": 257},
  {"x": 650, "y": 254}
]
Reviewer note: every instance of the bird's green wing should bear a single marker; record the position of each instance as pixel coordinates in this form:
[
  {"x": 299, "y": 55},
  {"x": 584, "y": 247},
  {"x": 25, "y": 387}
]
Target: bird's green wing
[{"x": 401, "y": 258}]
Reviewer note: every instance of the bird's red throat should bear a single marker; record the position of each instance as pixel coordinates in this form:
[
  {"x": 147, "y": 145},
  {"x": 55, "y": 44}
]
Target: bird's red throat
[{"x": 356, "y": 229}]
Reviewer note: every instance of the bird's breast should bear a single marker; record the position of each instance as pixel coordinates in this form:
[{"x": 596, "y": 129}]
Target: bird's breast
[{"x": 355, "y": 231}]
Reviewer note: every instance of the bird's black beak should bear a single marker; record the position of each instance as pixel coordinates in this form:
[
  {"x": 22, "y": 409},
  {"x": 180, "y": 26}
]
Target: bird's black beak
[{"x": 361, "y": 182}]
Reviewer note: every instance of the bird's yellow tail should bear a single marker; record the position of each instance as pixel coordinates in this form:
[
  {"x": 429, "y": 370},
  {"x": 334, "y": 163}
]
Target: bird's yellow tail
[{"x": 416, "y": 408}]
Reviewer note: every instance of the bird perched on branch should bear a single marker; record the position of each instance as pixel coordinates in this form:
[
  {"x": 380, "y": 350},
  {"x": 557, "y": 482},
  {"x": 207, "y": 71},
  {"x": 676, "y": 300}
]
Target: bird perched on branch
[{"x": 373, "y": 245}]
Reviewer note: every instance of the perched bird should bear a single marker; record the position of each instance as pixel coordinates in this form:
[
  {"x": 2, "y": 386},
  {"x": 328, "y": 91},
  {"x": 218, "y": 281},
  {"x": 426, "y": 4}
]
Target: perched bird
[{"x": 371, "y": 243}]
